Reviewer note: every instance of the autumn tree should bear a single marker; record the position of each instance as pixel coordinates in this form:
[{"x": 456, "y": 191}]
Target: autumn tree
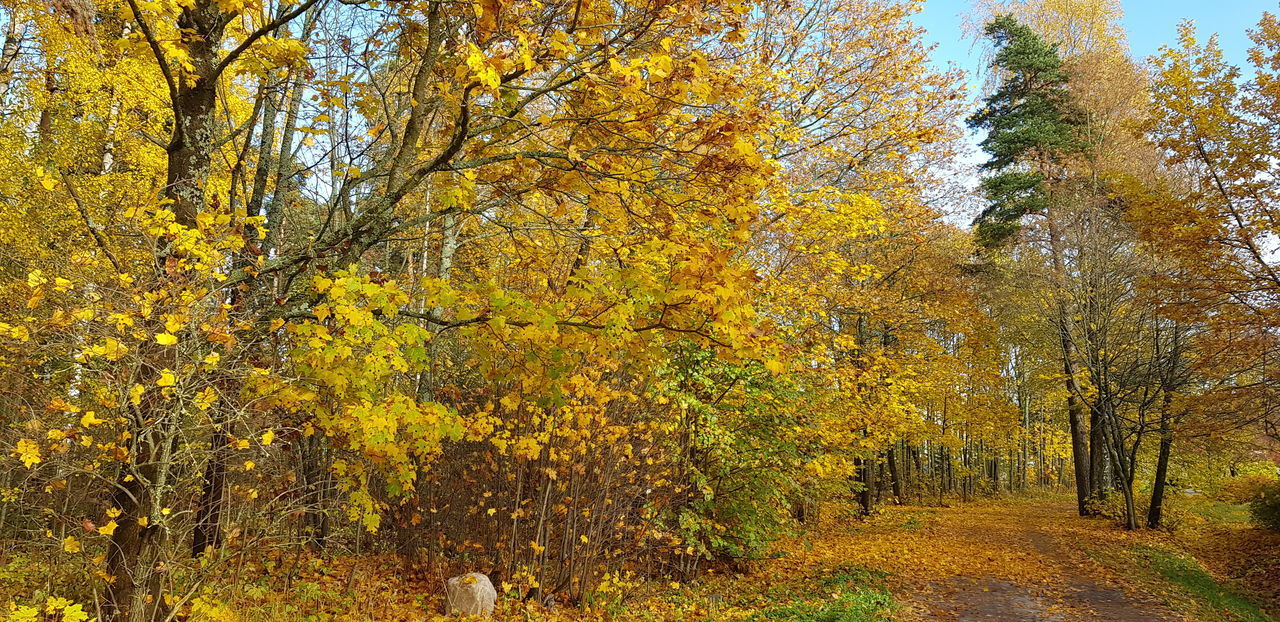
[
  {"x": 214, "y": 331},
  {"x": 1208, "y": 213},
  {"x": 1034, "y": 129}
]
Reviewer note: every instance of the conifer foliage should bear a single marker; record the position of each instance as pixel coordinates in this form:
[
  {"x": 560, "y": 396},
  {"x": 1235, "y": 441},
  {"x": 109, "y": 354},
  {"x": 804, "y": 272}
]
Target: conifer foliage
[{"x": 1033, "y": 127}]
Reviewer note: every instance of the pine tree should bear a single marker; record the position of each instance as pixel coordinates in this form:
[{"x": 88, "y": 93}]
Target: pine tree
[{"x": 1032, "y": 128}]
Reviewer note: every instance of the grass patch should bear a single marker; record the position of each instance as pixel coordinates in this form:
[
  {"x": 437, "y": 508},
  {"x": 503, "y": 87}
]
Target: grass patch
[
  {"x": 849, "y": 594},
  {"x": 1223, "y": 512},
  {"x": 1188, "y": 577}
]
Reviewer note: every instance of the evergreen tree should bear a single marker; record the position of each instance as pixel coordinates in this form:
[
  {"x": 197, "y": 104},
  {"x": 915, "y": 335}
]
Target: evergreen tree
[{"x": 1032, "y": 127}]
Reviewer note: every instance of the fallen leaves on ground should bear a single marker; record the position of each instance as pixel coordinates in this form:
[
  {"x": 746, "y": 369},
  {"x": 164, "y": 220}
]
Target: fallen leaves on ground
[{"x": 1032, "y": 554}]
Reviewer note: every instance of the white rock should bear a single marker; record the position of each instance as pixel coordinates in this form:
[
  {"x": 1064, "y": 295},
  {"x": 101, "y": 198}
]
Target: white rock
[{"x": 470, "y": 594}]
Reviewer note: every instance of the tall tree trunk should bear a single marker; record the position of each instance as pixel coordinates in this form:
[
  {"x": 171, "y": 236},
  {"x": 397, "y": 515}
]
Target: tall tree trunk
[
  {"x": 190, "y": 151},
  {"x": 1098, "y": 458},
  {"x": 1075, "y": 409},
  {"x": 865, "y": 496},
  {"x": 266, "y": 153},
  {"x": 918, "y": 472},
  {"x": 1155, "y": 512},
  {"x": 894, "y": 476},
  {"x": 13, "y": 39},
  {"x": 189, "y": 160},
  {"x": 133, "y": 555},
  {"x": 207, "y": 533},
  {"x": 130, "y": 496},
  {"x": 284, "y": 173}
]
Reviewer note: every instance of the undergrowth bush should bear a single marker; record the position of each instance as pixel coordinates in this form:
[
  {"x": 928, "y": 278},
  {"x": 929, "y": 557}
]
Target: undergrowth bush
[
  {"x": 1265, "y": 508},
  {"x": 1109, "y": 505},
  {"x": 1245, "y": 488}
]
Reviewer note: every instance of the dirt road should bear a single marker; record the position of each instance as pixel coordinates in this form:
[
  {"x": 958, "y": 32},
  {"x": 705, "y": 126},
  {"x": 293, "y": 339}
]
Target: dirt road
[{"x": 1035, "y": 571}]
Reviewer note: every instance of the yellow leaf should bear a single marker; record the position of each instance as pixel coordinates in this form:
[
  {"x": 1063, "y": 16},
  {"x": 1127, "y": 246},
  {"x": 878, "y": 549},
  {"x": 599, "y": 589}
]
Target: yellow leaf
[
  {"x": 108, "y": 528},
  {"x": 89, "y": 420},
  {"x": 268, "y": 436},
  {"x": 71, "y": 545},
  {"x": 135, "y": 394},
  {"x": 27, "y": 451},
  {"x": 166, "y": 339},
  {"x": 113, "y": 349},
  {"x": 167, "y": 379}
]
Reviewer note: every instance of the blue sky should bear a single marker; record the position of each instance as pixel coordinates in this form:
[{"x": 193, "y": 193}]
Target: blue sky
[{"x": 1150, "y": 24}]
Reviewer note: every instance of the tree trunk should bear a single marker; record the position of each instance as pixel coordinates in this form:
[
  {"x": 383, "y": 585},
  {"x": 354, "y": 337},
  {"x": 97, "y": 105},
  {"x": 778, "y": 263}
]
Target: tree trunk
[
  {"x": 1075, "y": 409},
  {"x": 284, "y": 173},
  {"x": 266, "y": 161},
  {"x": 865, "y": 498},
  {"x": 189, "y": 153},
  {"x": 125, "y": 546},
  {"x": 1130, "y": 511},
  {"x": 207, "y": 533},
  {"x": 918, "y": 471},
  {"x": 1098, "y": 462},
  {"x": 894, "y": 476},
  {"x": 1155, "y": 513},
  {"x": 134, "y": 553}
]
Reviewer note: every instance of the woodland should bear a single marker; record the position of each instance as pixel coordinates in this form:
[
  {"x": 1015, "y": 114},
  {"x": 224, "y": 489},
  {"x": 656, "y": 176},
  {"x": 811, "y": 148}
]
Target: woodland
[{"x": 645, "y": 309}]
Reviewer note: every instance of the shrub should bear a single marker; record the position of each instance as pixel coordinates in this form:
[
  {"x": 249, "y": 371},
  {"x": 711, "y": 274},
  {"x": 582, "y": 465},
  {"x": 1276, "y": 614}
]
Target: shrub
[
  {"x": 1245, "y": 488},
  {"x": 1109, "y": 504},
  {"x": 738, "y": 454},
  {"x": 1265, "y": 508}
]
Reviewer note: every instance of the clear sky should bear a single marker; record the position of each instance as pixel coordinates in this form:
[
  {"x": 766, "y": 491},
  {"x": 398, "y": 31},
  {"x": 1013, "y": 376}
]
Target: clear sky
[{"x": 1150, "y": 24}]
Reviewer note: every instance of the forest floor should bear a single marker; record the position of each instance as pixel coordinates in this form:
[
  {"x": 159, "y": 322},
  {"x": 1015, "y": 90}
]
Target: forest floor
[
  {"x": 1036, "y": 559},
  {"x": 1034, "y": 569},
  {"x": 1012, "y": 559}
]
